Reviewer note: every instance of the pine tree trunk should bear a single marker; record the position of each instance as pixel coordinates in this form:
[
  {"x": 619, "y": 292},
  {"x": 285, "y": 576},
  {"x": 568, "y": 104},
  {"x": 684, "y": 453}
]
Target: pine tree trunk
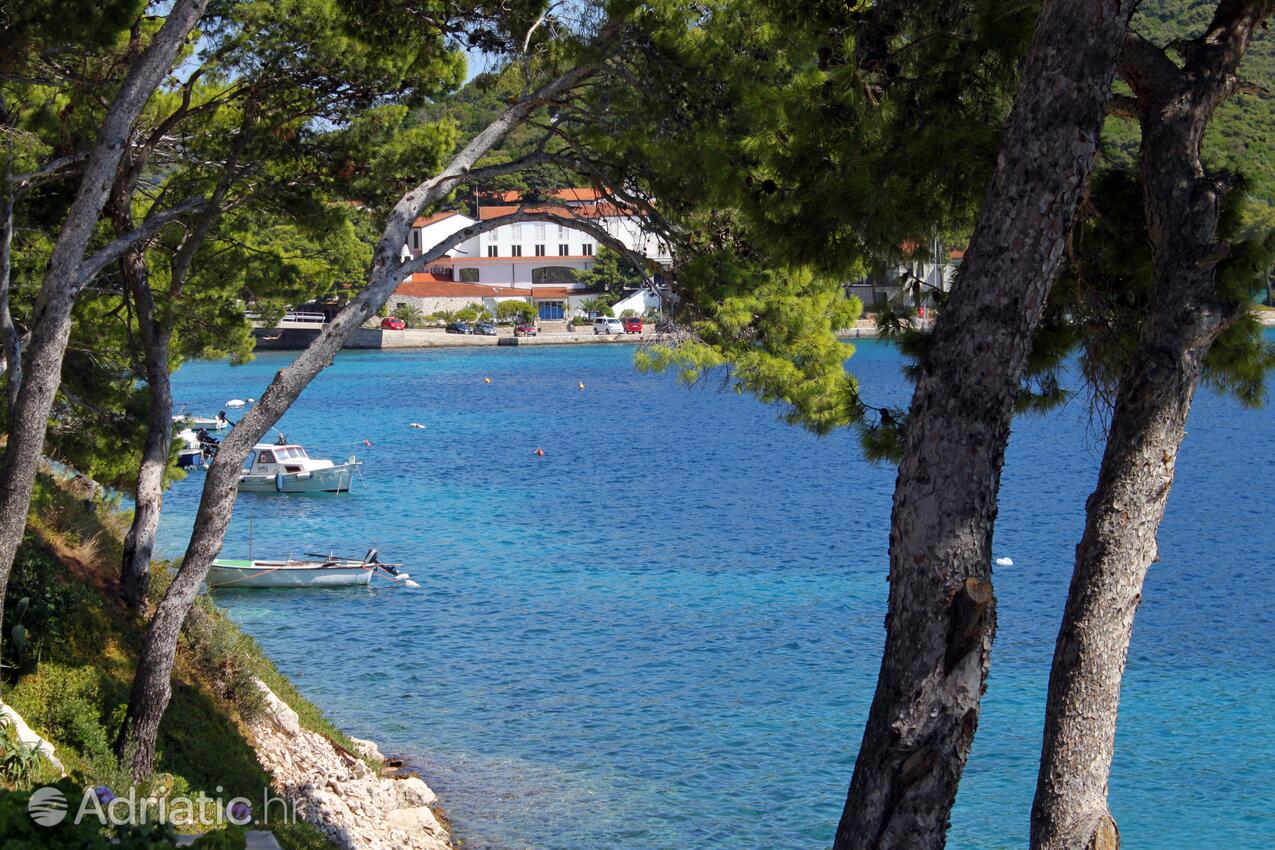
[
  {"x": 942, "y": 614},
  {"x": 8, "y": 331},
  {"x": 1153, "y": 399},
  {"x": 148, "y": 496},
  {"x": 51, "y": 318}
]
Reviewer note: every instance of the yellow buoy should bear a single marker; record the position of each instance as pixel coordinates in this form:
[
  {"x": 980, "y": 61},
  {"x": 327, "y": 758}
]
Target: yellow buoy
[
  {"x": 486, "y": 380},
  {"x": 580, "y": 385}
]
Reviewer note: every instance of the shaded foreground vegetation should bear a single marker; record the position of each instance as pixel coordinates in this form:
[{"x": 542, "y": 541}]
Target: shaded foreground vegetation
[{"x": 69, "y": 676}]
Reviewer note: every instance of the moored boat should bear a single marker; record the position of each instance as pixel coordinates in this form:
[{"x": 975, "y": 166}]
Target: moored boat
[
  {"x": 326, "y": 571},
  {"x": 285, "y": 467},
  {"x": 260, "y": 573},
  {"x": 208, "y": 423}
]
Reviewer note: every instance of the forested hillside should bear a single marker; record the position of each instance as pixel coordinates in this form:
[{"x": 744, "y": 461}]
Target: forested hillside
[{"x": 1242, "y": 136}]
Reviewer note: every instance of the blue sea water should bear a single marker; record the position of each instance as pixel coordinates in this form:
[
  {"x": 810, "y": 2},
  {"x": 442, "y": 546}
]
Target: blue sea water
[{"x": 665, "y": 632}]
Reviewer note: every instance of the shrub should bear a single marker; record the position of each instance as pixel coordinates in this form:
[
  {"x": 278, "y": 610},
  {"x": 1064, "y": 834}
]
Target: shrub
[
  {"x": 467, "y": 314},
  {"x": 222, "y": 654},
  {"x": 22, "y": 833},
  {"x": 629, "y": 314},
  {"x": 65, "y": 702},
  {"x": 411, "y": 317},
  {"x": 515, "y": 311},
  {"x": 40, "y": 610},
  {"x": 20, "y": 765}
]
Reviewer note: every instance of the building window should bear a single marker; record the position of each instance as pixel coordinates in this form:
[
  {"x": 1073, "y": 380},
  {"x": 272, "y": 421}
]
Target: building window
[
  {"x": 587, "y": 249},
  {"x": 400, "y": 305},
  {"x": 515, "y": 251},
  {"x": 562, "y": 231},
  {"x": 540, "y": 231},
  {"x": 469, "y": 275},
  {"x": 516, "y": 230},
  {"x": 553, "y": 274},
  {"x": 564, "y": 249},
  {"x": 491, "y": 251},
  {"x": 540, "y": 250},
  {"x": 416, "y": 240}
]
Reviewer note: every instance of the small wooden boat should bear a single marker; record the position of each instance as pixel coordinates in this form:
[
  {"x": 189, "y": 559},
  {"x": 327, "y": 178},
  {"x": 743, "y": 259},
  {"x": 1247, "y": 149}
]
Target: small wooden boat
[
  {"x": 257, "y": 573},
  {"x": 286, "y": 468},
  {"x": 325, "y": 571}
]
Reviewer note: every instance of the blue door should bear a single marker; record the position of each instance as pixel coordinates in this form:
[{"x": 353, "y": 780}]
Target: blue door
[{"x": 550, "y": 310}]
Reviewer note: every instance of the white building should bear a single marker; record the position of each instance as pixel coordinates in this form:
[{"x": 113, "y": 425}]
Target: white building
[{"x": 542, "y": 258}]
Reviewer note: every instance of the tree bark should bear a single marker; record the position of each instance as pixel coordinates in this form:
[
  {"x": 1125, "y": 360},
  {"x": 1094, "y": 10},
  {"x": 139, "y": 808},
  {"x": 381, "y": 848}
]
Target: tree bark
[
  {"x": 1123, "y": 515},
  {"x": 8, "y": 330},
  {"x": 51, "y": 318},
  {"x": 942, "y": 613},
  {"x": 148, "y": 493},
  {"x": 152, "y": 684}
]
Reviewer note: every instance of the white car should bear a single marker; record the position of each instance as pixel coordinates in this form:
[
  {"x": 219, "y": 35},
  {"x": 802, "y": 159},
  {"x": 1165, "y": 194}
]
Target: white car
[{"x": 603, "y": 325}]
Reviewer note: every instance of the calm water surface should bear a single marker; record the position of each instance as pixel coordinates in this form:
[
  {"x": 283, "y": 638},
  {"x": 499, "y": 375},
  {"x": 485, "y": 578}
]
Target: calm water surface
[{"x": 666, "y": 631}]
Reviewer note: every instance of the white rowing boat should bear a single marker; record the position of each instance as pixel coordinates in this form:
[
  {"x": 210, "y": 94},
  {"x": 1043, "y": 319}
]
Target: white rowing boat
[
  {"x": 326, "y": 571},
  {"x": 257, "y": 573}
]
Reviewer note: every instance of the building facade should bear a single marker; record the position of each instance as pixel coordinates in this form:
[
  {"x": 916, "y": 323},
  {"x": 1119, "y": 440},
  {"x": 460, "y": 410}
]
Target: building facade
[{"x": 540, "y": 259}]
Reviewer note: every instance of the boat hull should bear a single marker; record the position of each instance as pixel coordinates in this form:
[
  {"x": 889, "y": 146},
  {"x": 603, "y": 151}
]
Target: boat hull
[
  {"x": 333, "y": 479},
  {"x": 279, "y": 574}
]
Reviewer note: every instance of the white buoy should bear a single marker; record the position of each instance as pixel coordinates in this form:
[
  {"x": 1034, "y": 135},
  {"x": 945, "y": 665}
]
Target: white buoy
[
  {"x": 417, "y": 425},
  {"x": 236, "y": 402},
  {"x": 1004, "y": 562},
  {"x": 410, "y": 584}
]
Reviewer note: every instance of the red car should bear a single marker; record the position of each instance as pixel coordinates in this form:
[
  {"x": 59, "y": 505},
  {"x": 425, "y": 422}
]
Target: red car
[
  {"x": 526, "y": 329},
  {"x": 632, "y": 324},
  {"x": 392, "y": 323}
]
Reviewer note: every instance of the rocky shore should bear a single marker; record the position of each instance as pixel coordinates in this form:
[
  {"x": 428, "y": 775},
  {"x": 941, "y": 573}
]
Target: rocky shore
[{"x": 338, "y": 792}]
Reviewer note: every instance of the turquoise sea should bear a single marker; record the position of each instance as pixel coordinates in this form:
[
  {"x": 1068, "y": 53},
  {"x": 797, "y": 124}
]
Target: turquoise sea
[{"x": 665, "y": 632}]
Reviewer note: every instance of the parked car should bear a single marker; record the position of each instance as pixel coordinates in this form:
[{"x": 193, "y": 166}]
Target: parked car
[
  {"x": 603, "y": 325},
  {"x": 459, "y": 328},
  {"x": 392, "y": 323},
  {"x": 485, "y": 329},
  {"x": 632, "y": 324},
  {"x": 526, "y": 329}
]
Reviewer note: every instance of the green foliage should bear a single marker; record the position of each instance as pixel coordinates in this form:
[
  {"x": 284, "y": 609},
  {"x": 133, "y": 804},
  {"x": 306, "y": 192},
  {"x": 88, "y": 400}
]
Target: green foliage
[
  {"x": 411, "y": 317},
  {"x": 514, "y": 311},
  {"x": 20, "y": 765},
  {"x": 1241, "y": 137},
  {"x": 468, "y": 313},
  {"x": 42, "y": 606},
  {"x": 22, "y": 833},
  {"x": 611, "y": 273},
  {"x": 68, "y": 704},
  {"x": 776, "y": 332},
  {"x": 600, "y": 306},
  {"x": 224, "y": 657}
]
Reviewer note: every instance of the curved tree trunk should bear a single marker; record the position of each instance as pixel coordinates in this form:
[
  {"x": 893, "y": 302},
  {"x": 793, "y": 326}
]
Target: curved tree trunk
[
  {"x": 152, "y": 684},
  {"x": 1183, "y": 319},
  {"x": 51, "y": 318},
  {"x": 942, "y": 613}
]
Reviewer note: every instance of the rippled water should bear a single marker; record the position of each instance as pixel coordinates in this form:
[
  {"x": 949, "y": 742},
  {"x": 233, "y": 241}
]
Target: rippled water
[{"x": 665, "y": 632}]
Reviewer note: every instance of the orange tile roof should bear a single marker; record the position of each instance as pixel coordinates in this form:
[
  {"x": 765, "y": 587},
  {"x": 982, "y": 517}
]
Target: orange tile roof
[
  {"x": 600, "y": 210},
  {"x": 430, "y": 219},
  {"x": 425, "y": 285},
  {"x": 580, "y": 193}
]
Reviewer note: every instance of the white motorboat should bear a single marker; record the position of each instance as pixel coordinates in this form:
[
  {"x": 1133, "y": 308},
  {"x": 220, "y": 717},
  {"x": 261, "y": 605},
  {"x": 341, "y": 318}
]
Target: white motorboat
[
  {"x": 327, "y": 571},
  {"x": 214, "y": 423},
  {"x": 286, "y": 468}
]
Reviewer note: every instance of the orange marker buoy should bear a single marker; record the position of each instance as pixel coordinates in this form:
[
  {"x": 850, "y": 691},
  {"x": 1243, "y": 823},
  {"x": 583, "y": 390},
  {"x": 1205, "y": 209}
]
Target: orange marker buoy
[
  {"x": 486, "y": 380},
  {"x": 539, "y": 453}
]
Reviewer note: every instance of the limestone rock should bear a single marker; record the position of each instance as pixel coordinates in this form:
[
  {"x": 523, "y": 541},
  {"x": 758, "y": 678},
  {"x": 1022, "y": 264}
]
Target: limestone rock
[{"x": 356, "y": 808}]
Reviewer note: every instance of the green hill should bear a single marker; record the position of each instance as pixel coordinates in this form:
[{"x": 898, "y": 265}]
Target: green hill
[{"x": 1242, "y": 136}]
